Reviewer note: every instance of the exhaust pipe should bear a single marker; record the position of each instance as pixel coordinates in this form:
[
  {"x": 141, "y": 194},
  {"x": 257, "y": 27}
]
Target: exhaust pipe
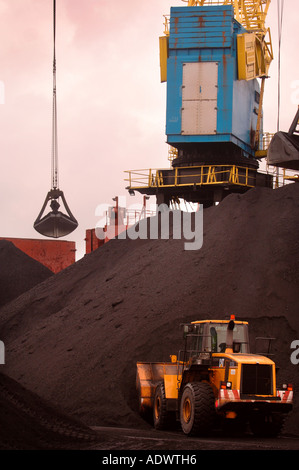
[{"x": 230, "y": 337}]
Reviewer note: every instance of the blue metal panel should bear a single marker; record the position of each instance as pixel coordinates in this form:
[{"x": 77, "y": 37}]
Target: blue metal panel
[
  {"x": 244, "y": 123},
  {"x": 200, "y": 27},
  {"x": 209, "y": 34}
]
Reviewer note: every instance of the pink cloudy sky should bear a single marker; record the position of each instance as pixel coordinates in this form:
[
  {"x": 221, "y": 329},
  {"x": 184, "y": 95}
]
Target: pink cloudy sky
[{"x": 111, "y": 104}]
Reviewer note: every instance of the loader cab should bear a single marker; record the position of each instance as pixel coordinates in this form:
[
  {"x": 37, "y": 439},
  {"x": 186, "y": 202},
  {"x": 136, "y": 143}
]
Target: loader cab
[
  {"x": 218, "y": 337},
  {"x": 206, "y": 337}
]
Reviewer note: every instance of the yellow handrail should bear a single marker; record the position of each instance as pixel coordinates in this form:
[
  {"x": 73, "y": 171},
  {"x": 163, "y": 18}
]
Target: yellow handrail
[{"x": 200, "y": 175}]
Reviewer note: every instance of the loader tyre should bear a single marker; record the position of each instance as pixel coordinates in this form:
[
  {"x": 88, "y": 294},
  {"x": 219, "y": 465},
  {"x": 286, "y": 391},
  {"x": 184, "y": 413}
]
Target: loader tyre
[
  {"x": 161, "y": 416},
  {"x": 197, "y": 409}
]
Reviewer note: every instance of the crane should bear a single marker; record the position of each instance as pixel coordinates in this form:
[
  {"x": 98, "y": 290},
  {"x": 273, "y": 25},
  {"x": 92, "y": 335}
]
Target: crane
[
  {"x": 255, "y": 50},
  {"x": 214, "y": 57}
]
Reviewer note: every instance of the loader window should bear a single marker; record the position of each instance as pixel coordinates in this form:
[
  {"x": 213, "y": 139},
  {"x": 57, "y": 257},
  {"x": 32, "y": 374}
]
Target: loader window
[
  {"x": 217, "y": 337},
  {"x": 196, "y": 339}
]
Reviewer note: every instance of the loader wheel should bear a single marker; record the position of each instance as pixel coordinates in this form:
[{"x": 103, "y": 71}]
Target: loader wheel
[
  {"x": 197, "y": 409},
  {"x": 162, "y": 417}
]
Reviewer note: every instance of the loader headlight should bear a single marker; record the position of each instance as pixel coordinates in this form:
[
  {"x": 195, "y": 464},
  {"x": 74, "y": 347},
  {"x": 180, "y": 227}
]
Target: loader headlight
[
  {"x": 196, "y": 361},
  {"x": 226, "y": 385},
  {"x": 288, "y": 387}
]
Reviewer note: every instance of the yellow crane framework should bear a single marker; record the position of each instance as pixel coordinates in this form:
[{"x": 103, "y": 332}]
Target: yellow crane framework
[
  {"x": 250, "y": 13},
  {"x": 255, "y": 52}
]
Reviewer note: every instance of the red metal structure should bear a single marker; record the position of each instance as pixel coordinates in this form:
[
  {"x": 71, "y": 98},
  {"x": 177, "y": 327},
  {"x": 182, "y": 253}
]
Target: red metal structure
[{"x": 55, "y": 255}]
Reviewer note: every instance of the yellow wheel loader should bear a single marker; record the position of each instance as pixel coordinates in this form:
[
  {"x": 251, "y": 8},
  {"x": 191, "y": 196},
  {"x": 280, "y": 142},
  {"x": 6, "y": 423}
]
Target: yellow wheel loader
[{"x": 214, "y": 380}]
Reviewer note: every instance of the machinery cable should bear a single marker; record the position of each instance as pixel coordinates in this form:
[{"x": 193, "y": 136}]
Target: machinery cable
[
  {"x": 55, "y": 224},
  {"x": 280, "y": 8},
  {"x": 54, "y": 179}
]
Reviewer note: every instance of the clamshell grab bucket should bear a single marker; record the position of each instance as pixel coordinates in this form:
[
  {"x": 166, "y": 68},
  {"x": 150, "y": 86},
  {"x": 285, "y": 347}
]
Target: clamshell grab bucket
[{"x": 55, "y": 224}]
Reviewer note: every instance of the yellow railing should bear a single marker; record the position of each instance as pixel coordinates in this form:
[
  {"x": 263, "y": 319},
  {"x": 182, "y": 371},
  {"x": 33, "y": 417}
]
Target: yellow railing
[
  {"x": 189, "y": 176},
  {"x": 267, "y": 137},
  {"x": 172, "y": 153},
  {"x": 166, "y": 24},
  {"x": 282, "y": 176},
  {"x": 263, "y": 148}
]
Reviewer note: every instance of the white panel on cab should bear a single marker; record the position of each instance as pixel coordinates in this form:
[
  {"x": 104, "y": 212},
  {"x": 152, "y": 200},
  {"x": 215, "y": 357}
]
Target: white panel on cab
[{"x": 199, "y": 98}]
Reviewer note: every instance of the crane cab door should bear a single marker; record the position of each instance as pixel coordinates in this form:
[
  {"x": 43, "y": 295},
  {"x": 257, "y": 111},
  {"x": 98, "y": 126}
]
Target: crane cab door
[{"x": 199, "y": 98}]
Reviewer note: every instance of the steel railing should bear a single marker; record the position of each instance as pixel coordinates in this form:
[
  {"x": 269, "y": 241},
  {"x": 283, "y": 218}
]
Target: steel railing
[{"x": 200, "y": 176}]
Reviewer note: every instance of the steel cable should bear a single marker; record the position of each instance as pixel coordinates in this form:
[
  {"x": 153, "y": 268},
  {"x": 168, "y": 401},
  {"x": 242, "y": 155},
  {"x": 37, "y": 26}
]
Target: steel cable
[
  {"x": 280, "y": 8},
  {"x": 54, "y": 179}
]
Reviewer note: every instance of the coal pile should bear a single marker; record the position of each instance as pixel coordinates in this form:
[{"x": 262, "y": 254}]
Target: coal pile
[
  {"x": 75, "y": 339},
  {"x": 29, "y": 423},
  {"x": 19, "y": 272}
]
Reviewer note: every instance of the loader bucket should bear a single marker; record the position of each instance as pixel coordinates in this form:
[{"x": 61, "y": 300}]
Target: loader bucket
[
  {"x": 283, "y": 151},
  {"x": 148, "y": 376}
]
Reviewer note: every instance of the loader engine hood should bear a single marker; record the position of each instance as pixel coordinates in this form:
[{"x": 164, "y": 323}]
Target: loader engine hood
[{"x": 241, "y": 358}]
